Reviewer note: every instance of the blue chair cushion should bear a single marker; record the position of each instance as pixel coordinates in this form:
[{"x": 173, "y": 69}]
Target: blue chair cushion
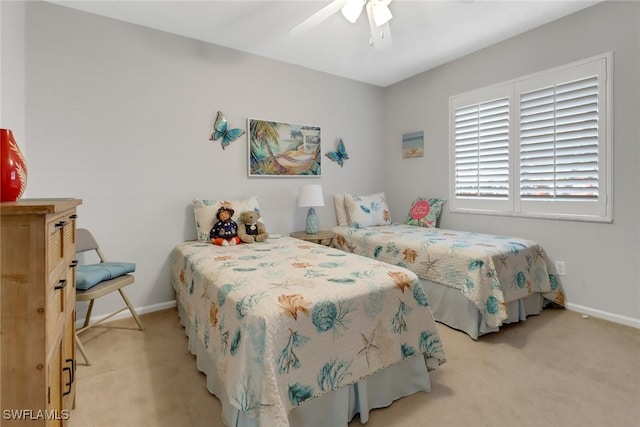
[{"x": 90, "y": 275}]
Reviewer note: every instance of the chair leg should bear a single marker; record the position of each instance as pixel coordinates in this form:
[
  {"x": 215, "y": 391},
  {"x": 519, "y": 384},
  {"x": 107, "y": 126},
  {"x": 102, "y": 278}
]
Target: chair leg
[
  {"x": 131, "y": 309},
  {"x": 88, "y": 315},
  {"x": 80, "y": 347}
]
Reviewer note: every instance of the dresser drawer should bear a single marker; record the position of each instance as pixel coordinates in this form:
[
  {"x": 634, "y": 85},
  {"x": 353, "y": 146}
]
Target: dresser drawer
[
  {"x": 55, "y": 242},
  {"x": 70, "y": 290},
  {"x": 56, "y": 304},
  {"x": 61, "y": 239}
]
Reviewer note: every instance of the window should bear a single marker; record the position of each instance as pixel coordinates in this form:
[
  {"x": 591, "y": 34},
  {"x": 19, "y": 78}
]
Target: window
[{"x": 536, "y": 146}]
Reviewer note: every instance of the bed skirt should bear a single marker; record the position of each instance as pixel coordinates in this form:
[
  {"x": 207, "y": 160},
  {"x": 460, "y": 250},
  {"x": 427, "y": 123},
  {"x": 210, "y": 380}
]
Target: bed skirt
[
  {"x": 450, "y": 307},
  {"x": 334, "y": 409}
]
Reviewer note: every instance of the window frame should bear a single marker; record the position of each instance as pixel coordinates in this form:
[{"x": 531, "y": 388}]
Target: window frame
[{"x": 599, "y": 210}]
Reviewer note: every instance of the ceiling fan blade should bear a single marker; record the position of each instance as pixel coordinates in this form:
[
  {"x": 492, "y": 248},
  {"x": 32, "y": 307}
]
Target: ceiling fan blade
[
  {"x": 318, "y": 17},
  {"x": 352, "y": 10},
  {"x": 380, "y": 36}
]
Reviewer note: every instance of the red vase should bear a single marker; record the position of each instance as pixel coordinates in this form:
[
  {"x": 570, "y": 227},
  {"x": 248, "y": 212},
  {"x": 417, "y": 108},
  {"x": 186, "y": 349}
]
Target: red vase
[{"x": 13, "y": 168}]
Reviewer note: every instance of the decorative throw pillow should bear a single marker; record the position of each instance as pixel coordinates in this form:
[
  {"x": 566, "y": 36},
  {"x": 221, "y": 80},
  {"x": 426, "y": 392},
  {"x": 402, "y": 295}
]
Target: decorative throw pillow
[
  {"x": 425, "y": 212},
  {"x": 366, "y": 211},
  {"x": 341, "y": 212},
  {"x": 205, "y": 212}
]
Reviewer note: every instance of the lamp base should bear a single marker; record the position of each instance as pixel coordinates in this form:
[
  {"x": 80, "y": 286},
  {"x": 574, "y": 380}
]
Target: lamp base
[{"x": 312, "y": 222}]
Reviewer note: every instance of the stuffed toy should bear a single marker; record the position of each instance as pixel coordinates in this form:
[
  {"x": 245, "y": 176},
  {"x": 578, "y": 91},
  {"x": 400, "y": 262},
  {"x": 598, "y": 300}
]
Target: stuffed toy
[
  {"x": 250, "y": 229},
  {"x": 225, "y": 231}
]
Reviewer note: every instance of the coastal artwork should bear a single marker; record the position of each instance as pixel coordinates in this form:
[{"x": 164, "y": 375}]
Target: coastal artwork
[
  {"x": 279, "y": 149},
  {"x": 412, "y": 144}
]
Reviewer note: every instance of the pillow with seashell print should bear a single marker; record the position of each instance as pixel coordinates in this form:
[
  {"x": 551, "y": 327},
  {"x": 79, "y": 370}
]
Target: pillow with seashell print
[{"x": 367, "y": 210}]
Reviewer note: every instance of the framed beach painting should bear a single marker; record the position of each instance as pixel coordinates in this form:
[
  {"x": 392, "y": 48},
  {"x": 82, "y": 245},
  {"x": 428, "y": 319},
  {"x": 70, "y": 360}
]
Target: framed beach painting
[
  {"x": 413, "y": 145},
  {"x": 278, "y": 149}
]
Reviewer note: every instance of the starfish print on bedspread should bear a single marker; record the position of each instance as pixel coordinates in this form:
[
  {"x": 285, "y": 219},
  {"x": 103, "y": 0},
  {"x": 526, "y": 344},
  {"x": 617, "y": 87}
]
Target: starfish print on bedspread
[
  {"x": 503, "y": 260},
  {"x": 428, "y": 264},
  {"x": 368, "y": 345}
]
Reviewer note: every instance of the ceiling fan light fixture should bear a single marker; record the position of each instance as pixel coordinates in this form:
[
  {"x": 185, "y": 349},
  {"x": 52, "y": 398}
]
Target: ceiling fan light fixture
[
  {"x": 352, "y": 10},
  {"x": 381, "y": 13},
  {"x": 380, "y": 34}
]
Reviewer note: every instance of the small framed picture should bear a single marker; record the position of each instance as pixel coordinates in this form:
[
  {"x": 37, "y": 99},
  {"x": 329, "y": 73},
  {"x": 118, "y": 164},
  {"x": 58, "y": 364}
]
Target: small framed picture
[{"x": 413, "y": 144}]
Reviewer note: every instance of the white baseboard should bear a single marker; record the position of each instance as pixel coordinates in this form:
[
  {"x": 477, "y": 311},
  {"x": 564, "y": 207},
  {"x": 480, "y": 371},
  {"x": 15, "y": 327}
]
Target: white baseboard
[
  {"x": 126, "y": 313},
  {"x": 616, "y": 318}
]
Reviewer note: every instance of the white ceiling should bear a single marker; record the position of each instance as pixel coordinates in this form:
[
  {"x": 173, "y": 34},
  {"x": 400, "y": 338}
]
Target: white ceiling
[{"x": 426, "y": 33}]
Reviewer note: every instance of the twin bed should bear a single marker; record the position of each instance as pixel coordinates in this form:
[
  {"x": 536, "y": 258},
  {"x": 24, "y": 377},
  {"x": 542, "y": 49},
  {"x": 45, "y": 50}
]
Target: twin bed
[
  {"x": 475, "y": 282},
  {"x": 295, "y": 333}
]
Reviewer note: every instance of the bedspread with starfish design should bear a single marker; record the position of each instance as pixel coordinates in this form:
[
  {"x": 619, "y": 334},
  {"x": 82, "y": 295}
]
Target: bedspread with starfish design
[
  {"x": 490, "y": 270},
  {"x": 286, "y": 320}
]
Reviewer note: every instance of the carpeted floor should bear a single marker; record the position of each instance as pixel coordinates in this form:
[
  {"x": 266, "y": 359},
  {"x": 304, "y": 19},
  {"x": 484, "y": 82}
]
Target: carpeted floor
[{"x": 555, "y": 369}]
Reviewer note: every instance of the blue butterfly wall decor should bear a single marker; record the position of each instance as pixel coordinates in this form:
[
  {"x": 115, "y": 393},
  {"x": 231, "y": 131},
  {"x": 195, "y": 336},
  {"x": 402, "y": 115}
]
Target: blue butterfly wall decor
[
  {"x": 220, "y": 131},
  {"x": 339, "y": 155}
]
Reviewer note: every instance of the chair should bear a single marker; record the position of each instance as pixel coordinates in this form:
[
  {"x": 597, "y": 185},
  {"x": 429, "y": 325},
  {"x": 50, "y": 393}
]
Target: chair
[{"x": 97, "y": 280}]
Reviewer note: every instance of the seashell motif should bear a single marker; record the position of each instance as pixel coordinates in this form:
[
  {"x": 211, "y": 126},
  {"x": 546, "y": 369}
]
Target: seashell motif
[
  {"x": 420, "y": 296},
  {"x": 292, "y": 304},
  {"x": 301, "y": 265},
  {"x": 213, "y": 314},
  {"x": 401, "y": 280},
  {"x": 324, "y": 315},
  {"x": 520, "y": 279},
  {"x": 493, "y": 306},
  {"x": 410, "y": 255}
]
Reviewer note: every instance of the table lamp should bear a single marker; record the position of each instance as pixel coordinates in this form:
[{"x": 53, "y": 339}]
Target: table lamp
[{"x": 311, "y": 196}]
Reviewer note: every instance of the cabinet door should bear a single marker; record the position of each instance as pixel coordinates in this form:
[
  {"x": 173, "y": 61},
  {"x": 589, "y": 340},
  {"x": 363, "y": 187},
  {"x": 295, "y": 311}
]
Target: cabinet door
[
  {"x": 54, "y": 392},
  {"x": 68, "y": 366},
  {"x": 61, "y": 387}
]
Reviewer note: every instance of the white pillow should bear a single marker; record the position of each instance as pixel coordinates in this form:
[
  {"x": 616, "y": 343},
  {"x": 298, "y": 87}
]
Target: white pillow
[
  {"x": 341, "y": 212},
  {"x": 366, "y": 211},
  {"x": 205, "y": 212}
]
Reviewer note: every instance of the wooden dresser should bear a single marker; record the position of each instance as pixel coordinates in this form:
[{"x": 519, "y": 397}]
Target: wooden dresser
[{"x": 37, "y": 303}]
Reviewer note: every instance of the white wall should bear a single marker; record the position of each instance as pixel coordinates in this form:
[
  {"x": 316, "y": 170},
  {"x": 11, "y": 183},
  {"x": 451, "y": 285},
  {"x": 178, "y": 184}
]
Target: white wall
[
  {"x": 120, "y": 116},
  {"x": 602, "y": 260},
  {"x": 12, "y": 70}
]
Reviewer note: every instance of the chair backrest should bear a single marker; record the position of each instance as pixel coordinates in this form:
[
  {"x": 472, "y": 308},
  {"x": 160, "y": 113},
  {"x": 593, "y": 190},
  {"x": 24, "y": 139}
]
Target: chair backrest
[{"x": 86, "y": 242}]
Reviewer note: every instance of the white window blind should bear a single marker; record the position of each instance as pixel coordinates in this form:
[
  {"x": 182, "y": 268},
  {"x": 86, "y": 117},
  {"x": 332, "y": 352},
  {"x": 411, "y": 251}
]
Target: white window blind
[
  {"x": 482, "y": 149},
  {"x": 537, "y": 146},
  {"x": 559, "y": 142}
]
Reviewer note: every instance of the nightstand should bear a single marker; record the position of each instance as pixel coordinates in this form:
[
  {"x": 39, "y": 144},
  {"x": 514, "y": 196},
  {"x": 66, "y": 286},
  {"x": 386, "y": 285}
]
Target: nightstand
[{"x": 322, "y": 237}]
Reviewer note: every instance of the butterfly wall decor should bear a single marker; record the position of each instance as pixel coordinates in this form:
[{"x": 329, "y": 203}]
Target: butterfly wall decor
[
  {"x": 340, "y": 155},
  {"x": 221, "y": 131}
]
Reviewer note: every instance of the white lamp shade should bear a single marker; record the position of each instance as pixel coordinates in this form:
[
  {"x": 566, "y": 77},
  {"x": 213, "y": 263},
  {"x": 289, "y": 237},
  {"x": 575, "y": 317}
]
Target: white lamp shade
[{"x": 310, "y": 196}]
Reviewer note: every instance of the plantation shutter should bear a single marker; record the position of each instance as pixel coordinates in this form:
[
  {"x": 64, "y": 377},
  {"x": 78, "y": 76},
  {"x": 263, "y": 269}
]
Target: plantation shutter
[
  {"x": 481, "y": 150},
  {"x": 559, "y": 142}
]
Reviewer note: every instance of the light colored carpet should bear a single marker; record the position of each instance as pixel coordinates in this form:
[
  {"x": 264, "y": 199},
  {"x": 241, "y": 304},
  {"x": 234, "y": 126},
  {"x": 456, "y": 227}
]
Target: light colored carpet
[{"x": 555, "y": 369}]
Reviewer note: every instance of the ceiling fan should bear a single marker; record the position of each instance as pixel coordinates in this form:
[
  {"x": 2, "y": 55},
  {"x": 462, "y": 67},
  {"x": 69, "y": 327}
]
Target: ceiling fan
[{"x": 378, "y": 14}]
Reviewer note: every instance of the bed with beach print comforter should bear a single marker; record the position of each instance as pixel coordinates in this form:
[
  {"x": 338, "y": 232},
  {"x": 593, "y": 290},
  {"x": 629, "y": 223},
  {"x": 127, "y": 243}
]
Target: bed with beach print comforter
[
  {"x": 287, "y": 320},
  {"x": 490, "y": 270}
]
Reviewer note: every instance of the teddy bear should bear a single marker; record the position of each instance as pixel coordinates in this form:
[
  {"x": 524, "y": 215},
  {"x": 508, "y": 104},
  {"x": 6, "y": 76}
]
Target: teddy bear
[
  {"x": 250, "y": 229},
  {"x": 225, "y": 231}
]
